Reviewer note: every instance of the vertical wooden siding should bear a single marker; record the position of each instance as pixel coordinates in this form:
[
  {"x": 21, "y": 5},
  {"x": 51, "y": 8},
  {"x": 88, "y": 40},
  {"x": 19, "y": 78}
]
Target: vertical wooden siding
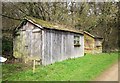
[
  {"x": 59, "y": 45},
  {"x": 50, "y": 45},
  {"x": 28, "y": 44}
]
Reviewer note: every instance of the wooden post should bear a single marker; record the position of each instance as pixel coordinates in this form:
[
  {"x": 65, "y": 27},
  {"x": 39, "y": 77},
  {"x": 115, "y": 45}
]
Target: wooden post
[{"x": 33, "y": 66}]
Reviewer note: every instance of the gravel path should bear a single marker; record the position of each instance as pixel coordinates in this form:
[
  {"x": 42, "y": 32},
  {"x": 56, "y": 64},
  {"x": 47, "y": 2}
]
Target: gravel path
[{"x": 110, "y": 74}]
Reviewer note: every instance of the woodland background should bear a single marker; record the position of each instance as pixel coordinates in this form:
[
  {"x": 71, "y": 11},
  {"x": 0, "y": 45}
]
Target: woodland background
[{"x": 98, "y": 18}]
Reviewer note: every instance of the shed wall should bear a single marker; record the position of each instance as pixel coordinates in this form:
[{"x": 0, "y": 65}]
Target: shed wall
[
  {"x": 49, "y": 45},
  {"x": 27, "y": 45},
  {"x": 89, "y": 43},
  {"x": 98, "y": 46},
  {"x": 59, "y": 45}
]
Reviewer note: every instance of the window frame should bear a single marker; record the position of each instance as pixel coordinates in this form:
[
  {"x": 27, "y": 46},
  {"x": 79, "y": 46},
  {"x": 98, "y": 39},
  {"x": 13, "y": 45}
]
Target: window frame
[{"x": 77, "y": 41}]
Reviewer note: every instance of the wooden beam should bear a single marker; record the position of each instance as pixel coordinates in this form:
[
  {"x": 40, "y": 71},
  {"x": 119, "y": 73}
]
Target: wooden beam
[{"x": 33, "y": 66}]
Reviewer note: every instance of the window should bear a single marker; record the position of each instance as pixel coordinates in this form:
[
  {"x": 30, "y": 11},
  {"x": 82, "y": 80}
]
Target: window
[{"x": 76, "y": 41}]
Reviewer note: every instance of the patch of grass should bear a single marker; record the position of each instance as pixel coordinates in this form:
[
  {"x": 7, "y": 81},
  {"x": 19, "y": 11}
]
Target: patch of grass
[{"x": 83, "y": 69}]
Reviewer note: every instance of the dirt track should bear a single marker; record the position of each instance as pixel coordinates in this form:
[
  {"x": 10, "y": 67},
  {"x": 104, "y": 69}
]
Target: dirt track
[{"x": 110, "y": 74}]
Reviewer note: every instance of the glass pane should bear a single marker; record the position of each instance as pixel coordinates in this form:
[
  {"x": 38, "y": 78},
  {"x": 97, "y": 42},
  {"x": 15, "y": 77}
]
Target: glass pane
[
  {"x": 74, "y": 41},
  {"x": 77, "y": 42}
]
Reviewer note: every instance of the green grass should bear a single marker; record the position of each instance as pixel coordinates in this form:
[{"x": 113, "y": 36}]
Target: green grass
[{"x": 83, "y": 69}]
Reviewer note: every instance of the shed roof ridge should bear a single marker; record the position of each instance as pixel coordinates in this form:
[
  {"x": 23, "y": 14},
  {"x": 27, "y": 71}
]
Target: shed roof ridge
[
  {"x": 46, "y": 24},
  {"x": 89, "y": 34},
  {"x": 92, "y": 35}
]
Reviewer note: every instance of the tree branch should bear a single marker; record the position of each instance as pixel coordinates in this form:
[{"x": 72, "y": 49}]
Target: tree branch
[{"x": 9, "y": 17}]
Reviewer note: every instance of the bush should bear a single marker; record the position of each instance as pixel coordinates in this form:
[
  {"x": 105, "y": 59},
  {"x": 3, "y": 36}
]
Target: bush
[{"x": 7, "y": 46}]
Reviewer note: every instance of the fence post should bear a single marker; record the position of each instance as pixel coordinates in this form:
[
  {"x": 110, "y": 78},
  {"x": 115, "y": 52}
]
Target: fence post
[{"x": 33, "y": 66}]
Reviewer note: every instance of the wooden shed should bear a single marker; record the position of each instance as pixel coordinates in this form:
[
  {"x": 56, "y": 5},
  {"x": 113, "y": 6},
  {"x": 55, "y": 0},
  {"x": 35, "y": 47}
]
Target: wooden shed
[
  {"x": 92, "y": 44},
  {"x": 38, "y": 39}
]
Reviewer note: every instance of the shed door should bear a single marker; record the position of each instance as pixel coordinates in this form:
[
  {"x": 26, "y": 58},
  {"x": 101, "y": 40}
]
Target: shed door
[
  {"x": 33, "y": 44},
  {"x": 36, "y": 44},
  {"x": 28, "y": 44}
]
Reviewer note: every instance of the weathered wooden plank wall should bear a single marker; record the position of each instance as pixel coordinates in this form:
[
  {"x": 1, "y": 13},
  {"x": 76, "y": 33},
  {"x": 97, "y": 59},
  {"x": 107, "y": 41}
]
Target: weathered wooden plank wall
[
  {"x": 98, "y": 46},
  {"x": 20, "y": 49},
  {"x": 59, "y": 45},
  {"x": 89, "y": 43},
  {"x": 28, "y": 44},
  {"x": 49, "y": 45},
  {"x": 92, "y": 45}
]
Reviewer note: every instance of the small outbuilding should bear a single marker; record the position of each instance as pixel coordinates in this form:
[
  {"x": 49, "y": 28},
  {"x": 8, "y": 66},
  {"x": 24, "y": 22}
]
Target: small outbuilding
[
  {"x": 38, "y": 39},
  {"x": 92, "y": 44}
]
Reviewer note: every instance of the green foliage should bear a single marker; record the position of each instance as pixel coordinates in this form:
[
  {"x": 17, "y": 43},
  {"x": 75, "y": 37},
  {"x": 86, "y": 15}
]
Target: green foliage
[
  {"x": 7, "y": 46},
  {"x": 97, "y": 18},
  {"x": 83, "y": 69}
]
